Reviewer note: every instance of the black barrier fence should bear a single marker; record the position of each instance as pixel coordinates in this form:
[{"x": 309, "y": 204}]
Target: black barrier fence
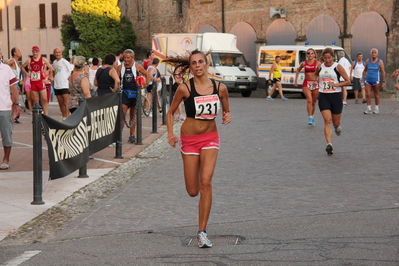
[{"x": 78, "y": 123}]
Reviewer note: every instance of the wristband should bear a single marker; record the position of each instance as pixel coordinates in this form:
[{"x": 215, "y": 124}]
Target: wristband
[{"x": 17, "y": 104}]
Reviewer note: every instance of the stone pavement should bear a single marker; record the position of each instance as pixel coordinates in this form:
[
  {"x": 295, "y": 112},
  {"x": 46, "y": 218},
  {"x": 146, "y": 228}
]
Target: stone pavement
[
  {"x": 275, "y": 190},
  {"x": 16, "y": 184}
]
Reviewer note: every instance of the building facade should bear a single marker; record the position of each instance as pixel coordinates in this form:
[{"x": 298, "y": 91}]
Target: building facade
[
  {"x": 24, "y": 24},
  {"x": 356, "y": 25}
]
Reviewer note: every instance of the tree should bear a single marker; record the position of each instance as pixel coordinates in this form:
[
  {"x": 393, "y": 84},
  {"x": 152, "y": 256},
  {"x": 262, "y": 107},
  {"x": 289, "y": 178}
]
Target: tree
[
  {"x": 68, "y": 33},
  {"x": 100, "y": 27}
]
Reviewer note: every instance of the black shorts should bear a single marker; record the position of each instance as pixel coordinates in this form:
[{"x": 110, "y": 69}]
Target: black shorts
[
  {"x": 275, "y": 80},
  {"x": 61, "y": 91},
  {"x": 128, "y": 102},
  {"x": 331, "y": 101}
]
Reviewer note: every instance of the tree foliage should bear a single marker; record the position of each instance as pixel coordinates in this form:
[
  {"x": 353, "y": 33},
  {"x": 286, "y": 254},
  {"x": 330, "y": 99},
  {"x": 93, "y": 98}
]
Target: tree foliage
[
  {"x": 100, "y": 27},
  {"x": 68, "y": 33}
]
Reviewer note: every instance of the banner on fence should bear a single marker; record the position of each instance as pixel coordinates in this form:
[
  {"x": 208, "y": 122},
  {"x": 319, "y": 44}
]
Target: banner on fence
[{"x": 91, "y": 128}]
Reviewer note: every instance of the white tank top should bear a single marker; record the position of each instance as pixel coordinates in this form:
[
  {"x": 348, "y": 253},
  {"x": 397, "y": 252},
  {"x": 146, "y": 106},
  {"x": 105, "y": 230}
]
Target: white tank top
[
  {"x": 358, "y": 70},
  {"x": 92, "y": 74},
  {"x": 326, "y": 75}
]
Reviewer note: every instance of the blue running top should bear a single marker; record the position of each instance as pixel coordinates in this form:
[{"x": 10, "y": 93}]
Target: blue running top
[{"x": 373, "y": 71}]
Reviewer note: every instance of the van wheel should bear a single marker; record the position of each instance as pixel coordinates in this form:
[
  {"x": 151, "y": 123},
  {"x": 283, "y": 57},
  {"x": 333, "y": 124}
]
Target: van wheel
[{"x": 246, "y": 93}]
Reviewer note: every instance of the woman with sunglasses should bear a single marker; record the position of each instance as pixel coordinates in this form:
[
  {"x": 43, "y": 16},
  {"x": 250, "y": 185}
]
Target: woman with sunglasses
[{"x": 310, "y": 91}]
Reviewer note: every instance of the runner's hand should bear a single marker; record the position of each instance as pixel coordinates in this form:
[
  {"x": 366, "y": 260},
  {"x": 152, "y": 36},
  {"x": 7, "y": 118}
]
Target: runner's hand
[
  {"x": 226, "y": 118},
  {"x": 172, "y": 140}
]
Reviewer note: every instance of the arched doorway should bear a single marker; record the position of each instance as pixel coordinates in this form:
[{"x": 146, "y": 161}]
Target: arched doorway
[
  {"x": 246, "y": 38},
  {"x": 323, "y": 30},
  {"x": 369, "y": 31},
  {"x": 207, "y": 28},
  {"x": 281, "y": 32}
]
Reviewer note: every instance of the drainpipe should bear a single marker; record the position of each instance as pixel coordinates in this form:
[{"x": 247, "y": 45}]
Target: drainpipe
[
  {"x": 8, "y": 30},
  {"x": 345, "y": 23},
  {"x": 223, "y": 29}
]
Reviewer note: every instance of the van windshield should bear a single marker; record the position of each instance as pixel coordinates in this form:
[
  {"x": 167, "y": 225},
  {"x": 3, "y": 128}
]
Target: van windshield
[
  {"x": 267, "y": 57},
  {"x": 228, "y": 59}
]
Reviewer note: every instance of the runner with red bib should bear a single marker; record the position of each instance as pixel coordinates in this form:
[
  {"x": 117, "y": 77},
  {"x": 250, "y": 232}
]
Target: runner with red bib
[{"x": 36, "y": 66}]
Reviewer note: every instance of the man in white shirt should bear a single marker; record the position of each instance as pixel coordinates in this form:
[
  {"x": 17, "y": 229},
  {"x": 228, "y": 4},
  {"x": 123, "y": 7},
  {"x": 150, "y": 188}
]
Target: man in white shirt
[
  {"x": 347, "y": 66},
  {"x": 8, "y": 104},
  {"x": 62, "y": 71}
]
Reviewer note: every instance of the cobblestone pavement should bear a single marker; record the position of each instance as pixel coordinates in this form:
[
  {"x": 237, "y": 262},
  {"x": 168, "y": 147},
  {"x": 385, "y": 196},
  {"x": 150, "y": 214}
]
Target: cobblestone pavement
[{"x": 274, "y": 187}]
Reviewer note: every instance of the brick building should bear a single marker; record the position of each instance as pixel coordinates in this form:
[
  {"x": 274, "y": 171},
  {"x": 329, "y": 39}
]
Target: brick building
[{"x": 356, "y": 25}]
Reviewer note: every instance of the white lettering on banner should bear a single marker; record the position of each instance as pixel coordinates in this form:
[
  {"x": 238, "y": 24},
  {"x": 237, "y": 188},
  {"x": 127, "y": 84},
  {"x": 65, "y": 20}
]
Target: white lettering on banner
[
  {"x": 69, "y": 143},
  {"x": 103, "y": 122}
]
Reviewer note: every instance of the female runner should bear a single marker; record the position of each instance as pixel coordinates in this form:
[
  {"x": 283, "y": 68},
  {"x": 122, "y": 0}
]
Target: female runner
[
  {"x": 199, "y": 138},
  {"x": 330, "y": 96},
  {"x": 311, "y": 92}
]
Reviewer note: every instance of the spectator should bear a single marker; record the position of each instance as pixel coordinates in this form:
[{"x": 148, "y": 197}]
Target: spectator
[
  {"x": 62, "y": 71},
  {"x": 356, "y": 75},
  {"x": 78, "y": 84},
  {"x": 107, "y": 79},
  {"x": 36, "y": 66},
  {"x": 119, "y": 55},
  {"x": 148, "y": 61},
  {"x": 347, "y": 67},
  {"x": 128, "y": 72},
  {"x": 371, "y": 75},
  {"x": 16, "y": 69},
  {"x": 8, "y": 103}
]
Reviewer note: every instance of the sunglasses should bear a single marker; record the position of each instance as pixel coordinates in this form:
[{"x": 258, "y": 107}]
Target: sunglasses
[{"x": 309, "y": 53}]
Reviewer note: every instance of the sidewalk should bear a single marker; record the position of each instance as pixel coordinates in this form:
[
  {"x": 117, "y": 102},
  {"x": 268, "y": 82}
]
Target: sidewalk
[{"x": 16, "y": 184}]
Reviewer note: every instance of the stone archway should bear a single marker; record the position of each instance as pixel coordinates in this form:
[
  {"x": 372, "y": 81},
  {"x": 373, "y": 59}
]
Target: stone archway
[
  {"x": 207, "y": 28},
  {"x": 246, "y": 38},
  {"x": 369, "y": 31},
  {"x": 281, "y": 32},
  {"x": 323, "y": 30}
]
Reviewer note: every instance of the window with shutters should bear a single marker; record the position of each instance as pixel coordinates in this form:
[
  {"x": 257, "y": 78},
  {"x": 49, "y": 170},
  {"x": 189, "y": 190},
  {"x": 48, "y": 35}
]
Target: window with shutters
[
  {"x": 42, "y": 15},
  {"x": 54, "y": 15},
  {"x": 17, "y": 17}
]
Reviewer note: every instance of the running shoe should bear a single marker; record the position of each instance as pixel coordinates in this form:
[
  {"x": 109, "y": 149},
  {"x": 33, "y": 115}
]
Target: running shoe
[
  {"x": 364, "y": 101},
  {"x": 310, "y": 121},
  {"x": 203, "y": 241},
  {"x": 284, "y": 98},
  {"x": 313, "y": 122},
  {"x": 368, "y": 111},
  {"x": 376, "y": 110},
  {"x": 329, "y": 149},
  {"x": 132, "y": 139},
  {"x": 338, "y": 130},
  {"x": 345, "y": 104},
  {"x": 269, "y": 98}
]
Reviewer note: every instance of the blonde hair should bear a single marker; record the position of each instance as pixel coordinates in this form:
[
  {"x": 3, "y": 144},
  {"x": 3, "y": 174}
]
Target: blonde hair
[{"x": 79, "y": 62}]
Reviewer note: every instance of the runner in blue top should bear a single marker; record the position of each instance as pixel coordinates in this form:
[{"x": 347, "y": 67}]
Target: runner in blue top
[{"x": 371, "y": 75}]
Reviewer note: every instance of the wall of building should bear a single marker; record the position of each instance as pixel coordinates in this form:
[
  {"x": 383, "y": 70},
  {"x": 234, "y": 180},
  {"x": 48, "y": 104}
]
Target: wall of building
[
  {"x": 197, "y": 13},
  {"x": 30, "y": 33}
]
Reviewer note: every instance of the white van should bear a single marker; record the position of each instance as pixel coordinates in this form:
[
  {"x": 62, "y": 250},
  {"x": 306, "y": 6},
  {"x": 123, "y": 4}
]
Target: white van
[
  {"x": 291, "y": 58},
  {"x": 228, "y": 64}
]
